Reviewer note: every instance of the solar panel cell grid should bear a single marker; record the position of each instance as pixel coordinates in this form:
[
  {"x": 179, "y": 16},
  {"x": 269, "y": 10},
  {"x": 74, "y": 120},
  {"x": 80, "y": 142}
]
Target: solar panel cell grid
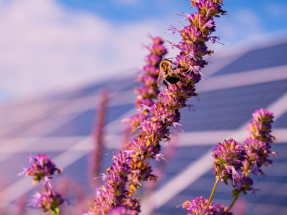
[
  {"x": 79, "y": 126},
  {"x": 281, "y": 122},
  {"x": 117, "y": 111},
  {"x": 257, "y": 59},
  {"x": 229, "y": 109}
]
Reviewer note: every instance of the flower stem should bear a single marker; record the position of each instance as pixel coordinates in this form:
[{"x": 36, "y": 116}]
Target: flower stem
[
  {"x": 234, "y": 200},
  {"x": 213, "y": 190}
]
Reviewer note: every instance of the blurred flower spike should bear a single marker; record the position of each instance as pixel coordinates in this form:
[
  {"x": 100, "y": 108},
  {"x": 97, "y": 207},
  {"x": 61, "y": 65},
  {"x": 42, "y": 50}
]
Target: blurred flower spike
[
  {"x": 48, "y": 201},
  {"x": 41, "y": 169}
]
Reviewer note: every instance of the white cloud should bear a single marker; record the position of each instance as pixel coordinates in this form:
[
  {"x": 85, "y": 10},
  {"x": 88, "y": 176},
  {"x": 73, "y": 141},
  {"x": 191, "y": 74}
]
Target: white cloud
[
  {"x": 239, "y": 26},
  {"x": 44, "y": 46},
  {"x": 247, "y": 17}
]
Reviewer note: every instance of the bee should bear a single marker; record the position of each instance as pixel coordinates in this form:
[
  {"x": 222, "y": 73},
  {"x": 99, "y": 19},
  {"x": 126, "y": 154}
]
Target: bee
[{"x": 166, "y": 72}]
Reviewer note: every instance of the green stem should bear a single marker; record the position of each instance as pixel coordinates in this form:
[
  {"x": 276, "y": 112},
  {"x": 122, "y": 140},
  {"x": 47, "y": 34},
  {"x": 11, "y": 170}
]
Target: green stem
[
  {"x": 234, "y": 200},
  {"x": 213, "y": 190},
  {"x": 55, "y": 211}
]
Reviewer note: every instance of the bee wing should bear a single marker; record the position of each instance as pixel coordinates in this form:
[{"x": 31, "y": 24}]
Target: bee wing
[{"x": 160, "y": 78}]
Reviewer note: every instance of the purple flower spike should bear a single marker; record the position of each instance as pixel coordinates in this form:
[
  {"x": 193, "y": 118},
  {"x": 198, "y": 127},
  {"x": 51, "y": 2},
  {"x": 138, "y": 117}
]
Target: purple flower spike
[
  {"x": 42, "y": 168},
  {"x": 165, "y": 112},
  {"x": 258, "y": 144},
  {"x": 221, "y": 210},
  {"x": 48, "y": 201},
  {"x": 263, "y": 116},
  {"x": 210, "y": 8},
  {"x": 198, "y": 206},
  {"x": 258, "y": 153},
  {"x": 149, "y": 91},
  {"x": 136, "y": 120},
  {"x": 243, "y": 184},
  {"x": 260, "y": 126},
  {"x": 113, "y": 192},
  {"x": 96, "y": 155},
  {"x": 228, "y": 159}
]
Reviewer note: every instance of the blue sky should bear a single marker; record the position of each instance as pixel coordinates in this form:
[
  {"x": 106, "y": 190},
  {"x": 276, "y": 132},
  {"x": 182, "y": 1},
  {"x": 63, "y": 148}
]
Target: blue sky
[
  {"x": 53, "y": 45},
  {"x": 265, "y": 15}
]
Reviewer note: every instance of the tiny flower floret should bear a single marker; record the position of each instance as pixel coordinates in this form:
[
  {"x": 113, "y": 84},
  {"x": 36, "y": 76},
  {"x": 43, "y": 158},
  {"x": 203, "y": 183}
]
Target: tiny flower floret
[
  {"x": 176, "y": 125},
  {"x": 42, "y": 168},
  {"x": 228, "y": 159},
  {"x": 144, "y": 107},
  {"x": 159, "y": 156},
  {"x": 258, "y": 154},
  {"x": 243, "y": 184},
  {"x": 103, "y": 176}
]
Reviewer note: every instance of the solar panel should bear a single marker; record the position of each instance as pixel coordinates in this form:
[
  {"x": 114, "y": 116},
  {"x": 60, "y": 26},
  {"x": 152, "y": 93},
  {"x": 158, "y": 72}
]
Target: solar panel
[
  {"x": 281, "y": 122},
  {"x": 229, "y": 109},
  {"x": 257, "y": 59},
  {"x": 67, "y": 119}
]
